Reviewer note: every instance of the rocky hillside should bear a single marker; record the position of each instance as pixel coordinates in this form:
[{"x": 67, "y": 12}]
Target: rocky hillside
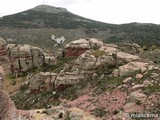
[
  {"x": 36, "y": 26},
  {"x": 97, "y": 80},
  {"x": 8, "y": 110}
]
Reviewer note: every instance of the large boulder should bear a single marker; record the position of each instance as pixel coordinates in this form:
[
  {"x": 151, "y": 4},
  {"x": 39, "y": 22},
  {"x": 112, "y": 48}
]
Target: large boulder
[
  {"x": 130, "y": 68},
  {"x": 95, "y": 43},
  {"x": 105, "y": 60},
  {"x": 46, "y": 81},
  {"x": 86, "y": 61},
  {"x": 137, "y": 48},
  {"x": 67, "y": 79},
  {"x": 137, "y": 87},
  {"x": 94, "y": 59},
  {"x": 109, "y": 48},
  {"x": 137, "y": 97},
  {"x": 126, "y": 57},
  {"x": 78, "y": 114},
  {"x": 81, "y": 43},
  {"x": 78, "y": 47},
  {"x": 43, "y": 81}
]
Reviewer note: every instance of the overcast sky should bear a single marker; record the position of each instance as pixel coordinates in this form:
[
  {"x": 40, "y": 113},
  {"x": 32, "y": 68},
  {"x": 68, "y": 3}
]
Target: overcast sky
[{"x": 109, "y": 11}]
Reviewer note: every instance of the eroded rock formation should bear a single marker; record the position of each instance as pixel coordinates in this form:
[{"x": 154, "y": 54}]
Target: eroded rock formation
[
  {"x": 24, "y": 57},
  {"x": 78, "y": 47}
]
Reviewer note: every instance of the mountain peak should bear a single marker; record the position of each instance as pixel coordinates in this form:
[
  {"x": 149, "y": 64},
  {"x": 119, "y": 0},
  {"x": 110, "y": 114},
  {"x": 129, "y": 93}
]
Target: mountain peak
[{"x": 49, "y": 9}]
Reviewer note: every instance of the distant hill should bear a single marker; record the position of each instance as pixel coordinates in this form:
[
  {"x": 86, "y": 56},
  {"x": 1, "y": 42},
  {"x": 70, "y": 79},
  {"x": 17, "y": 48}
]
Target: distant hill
[
  {"x": 35, "y": 26},
  {"x": 48, "y": 16}
]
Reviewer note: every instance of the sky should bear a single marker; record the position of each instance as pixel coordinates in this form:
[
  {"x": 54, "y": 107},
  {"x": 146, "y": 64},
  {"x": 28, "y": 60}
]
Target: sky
[{"x": 109, "y": 11}]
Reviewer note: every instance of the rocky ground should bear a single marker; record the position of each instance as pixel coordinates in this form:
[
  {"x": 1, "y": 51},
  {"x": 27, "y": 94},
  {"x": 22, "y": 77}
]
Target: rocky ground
[{"x": 92, "y": 80}]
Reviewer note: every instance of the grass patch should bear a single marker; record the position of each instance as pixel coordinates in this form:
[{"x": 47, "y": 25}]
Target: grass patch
[
  {"x": 27, "y": 101},
  {"x": 13, "y": 81},
  {"x": 152, "y": 89},
  {"x": 98, "y": 53},
  {"x": 107, "y": 84}
]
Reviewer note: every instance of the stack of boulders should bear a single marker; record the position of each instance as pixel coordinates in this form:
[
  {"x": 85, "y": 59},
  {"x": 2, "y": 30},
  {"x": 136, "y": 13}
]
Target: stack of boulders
[
  {"x": 3, "y": 50},
  {"x": 24, "y": 57},
  {"x": 77, "y": 47}
]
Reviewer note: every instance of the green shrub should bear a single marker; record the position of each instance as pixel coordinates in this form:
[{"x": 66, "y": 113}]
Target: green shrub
[
  {"x": 13, "y": 81},
  {"x": 145, "y": 48},
  {"x": 98, "y": 53},
  {"x": 23, "y": 87},
  {"x": 153, "y": 47},
  {"x": 99, "y": 112},
  {"x": 152, "y": 89}
]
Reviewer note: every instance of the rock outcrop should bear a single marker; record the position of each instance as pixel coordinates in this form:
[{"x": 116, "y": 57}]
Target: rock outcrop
[
  {"x": 136, "y": 96},
  {"x": 78, "y": 47},
  {"x": 42, "y": 82},
  {"x": 67, "y": 79},
  {"x": 117, "y": 83},
  {"x": 8, "y": 110},
  {"x": 48, "y": 81},
  {"x": 125, "y": 57},
  {"x": 130, "y": 68},
  {"x": 24, "y": 57},
  {"x": 94, "y": 59},
  {"x": 137, "y": 48}
]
